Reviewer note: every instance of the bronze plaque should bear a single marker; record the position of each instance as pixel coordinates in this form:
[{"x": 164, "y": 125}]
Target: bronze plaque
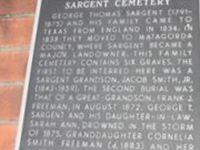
[{"x": 113, "y": 75}]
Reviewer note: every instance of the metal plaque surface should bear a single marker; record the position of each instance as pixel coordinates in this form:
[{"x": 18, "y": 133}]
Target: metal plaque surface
[{"x": 113, "y": 75}]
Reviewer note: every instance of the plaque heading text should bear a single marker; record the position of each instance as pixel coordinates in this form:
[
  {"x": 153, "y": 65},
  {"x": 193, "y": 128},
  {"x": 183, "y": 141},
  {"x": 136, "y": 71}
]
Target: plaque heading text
[{"x": 117, "y": 3}]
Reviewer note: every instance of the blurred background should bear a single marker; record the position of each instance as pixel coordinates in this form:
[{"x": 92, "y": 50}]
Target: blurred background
[{"x": 16, "y": 21}]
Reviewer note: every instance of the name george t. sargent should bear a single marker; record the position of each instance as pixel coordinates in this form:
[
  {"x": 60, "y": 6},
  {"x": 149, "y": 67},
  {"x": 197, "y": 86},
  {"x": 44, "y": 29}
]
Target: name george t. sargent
[{"x": 116, "y": 3}]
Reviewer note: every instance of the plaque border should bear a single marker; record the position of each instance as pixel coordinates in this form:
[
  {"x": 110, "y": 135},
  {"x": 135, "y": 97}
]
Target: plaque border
[{"x": 28, "y": 76}]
